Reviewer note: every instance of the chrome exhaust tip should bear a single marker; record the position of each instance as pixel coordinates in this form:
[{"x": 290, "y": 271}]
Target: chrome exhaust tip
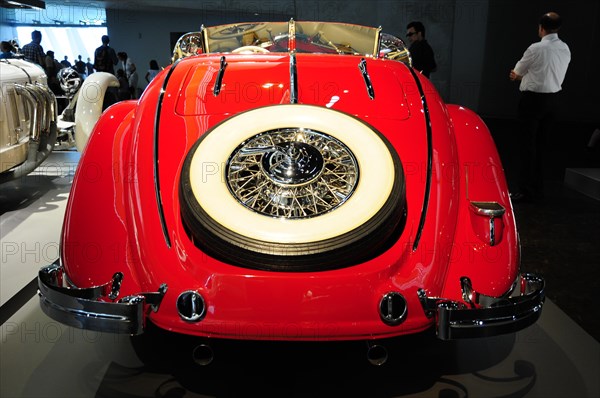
[
  {"x": 191, "y": 306},
  {"x": 377, "y": 354},
  {"x": 393, "y": 308},
  {"x": 203, "y": 354}
]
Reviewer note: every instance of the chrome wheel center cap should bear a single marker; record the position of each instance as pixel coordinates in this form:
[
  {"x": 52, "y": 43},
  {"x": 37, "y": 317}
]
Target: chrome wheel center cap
[{"x": 293, "y": 163}]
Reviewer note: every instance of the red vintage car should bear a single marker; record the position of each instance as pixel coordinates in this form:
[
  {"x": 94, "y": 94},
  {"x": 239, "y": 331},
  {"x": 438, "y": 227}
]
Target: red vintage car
[{"x": 291, "y": 181}]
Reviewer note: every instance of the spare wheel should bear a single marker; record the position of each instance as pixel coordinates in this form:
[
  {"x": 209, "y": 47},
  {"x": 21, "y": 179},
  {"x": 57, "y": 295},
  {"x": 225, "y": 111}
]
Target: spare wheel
[{"x": 292, "y": 188}]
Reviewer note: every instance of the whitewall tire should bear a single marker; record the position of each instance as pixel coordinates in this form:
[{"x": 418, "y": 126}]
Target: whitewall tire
[{"x": 292, "y": 187}]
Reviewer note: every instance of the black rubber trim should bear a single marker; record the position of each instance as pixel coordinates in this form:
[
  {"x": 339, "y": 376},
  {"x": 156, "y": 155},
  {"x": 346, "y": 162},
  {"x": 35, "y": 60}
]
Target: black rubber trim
[
  {"x": 161, "y": 213},
  {"x": 429, "y": 160},
  {"x": 219, "y": 80}
]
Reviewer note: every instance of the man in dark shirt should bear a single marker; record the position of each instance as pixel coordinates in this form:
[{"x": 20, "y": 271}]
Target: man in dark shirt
[
  {"x": 421, "y": 52},
  {"x": 105, "y": 57},
  {"x": 80, "y": 66},
  {"x": 33, "y": 52},
  {"x": 65, "y": 62},
  {"x": 89, "y": 67}
]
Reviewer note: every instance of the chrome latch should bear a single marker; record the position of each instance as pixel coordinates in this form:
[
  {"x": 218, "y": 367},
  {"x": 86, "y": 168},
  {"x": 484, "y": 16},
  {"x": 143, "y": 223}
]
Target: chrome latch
[{"x": 494, "y": 212}]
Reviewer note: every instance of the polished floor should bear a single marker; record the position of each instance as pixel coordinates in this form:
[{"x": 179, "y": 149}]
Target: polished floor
[
  {"x": 558, "y": 357},
  {"x": 559, "y": 236}
]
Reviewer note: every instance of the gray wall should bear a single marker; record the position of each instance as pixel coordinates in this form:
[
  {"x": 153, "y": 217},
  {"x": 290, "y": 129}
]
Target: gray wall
[
  {"x": 393, "y": 16},
  {"x": 476, "y": 42},
  {"x": 145, "y": 35},
  {"x": 512, "y": 27}
]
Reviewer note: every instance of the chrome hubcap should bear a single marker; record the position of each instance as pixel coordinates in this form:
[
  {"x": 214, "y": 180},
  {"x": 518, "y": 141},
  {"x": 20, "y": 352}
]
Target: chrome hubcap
[
  {"x": 292, "y": 173},
  {"x": 292, "y": 163}
]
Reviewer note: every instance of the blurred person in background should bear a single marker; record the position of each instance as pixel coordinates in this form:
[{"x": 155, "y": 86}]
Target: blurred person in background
[
  {"x": 130, "y": 72},
  {"x": 33, "y": 51},
  {"x": 152, "y": 71},
  {"x": 6, "y": 50}
]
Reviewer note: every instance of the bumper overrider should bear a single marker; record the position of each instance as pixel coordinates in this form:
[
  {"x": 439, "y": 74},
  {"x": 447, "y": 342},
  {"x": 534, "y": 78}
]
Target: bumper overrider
[
  {"x": 484, "y": 316},
  {"x": 86, "y": 308},
  {"x": 97, "y": 308}
]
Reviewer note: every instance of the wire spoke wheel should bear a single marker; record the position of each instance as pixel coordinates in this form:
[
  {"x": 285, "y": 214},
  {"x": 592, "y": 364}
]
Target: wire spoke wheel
[{"x": 292, "y": 173}]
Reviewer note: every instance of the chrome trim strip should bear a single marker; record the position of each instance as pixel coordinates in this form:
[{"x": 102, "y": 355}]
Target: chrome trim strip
[
  {"x": 35, "y": 104},
  {"x": 293, "y": 79},
  {"x": 50, "y": 113},
  {"x": 429, "y": 159},
  {"x": 219, "y": 80},
  {"x": 362, "y": 66},
  {"x": 39, "y": 108},
  {"x": 292, "y": 36},
  {"x": 204, "y": 35},
  {"x": 483, "y": 315},
  {"x": 83, "y": 309},
  {"x": 161, "y": 213},
  {"x": 377, "y": 42}
]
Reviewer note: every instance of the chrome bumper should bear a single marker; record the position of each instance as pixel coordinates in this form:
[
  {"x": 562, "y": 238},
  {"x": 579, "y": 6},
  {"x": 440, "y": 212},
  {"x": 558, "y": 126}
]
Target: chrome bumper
[
  {"x": 482, "y": 316},
  {"x": 94, "y": 308}
]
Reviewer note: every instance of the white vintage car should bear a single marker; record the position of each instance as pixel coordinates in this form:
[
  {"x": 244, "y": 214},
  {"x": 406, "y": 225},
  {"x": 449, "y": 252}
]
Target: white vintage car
[{"x": 30, "y": 127}]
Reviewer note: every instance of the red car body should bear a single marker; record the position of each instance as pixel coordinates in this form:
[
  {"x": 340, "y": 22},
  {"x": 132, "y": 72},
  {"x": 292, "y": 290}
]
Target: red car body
[{"x": 450, "y": 260}]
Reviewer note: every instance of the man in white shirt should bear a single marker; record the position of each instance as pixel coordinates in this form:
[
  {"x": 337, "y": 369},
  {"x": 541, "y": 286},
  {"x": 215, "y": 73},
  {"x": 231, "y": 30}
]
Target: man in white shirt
[{"x": 541, "y": 72}]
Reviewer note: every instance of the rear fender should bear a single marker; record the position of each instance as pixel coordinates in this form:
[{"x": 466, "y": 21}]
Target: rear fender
[
  {"x": 486, "y": 246},
  {"x": 94, "y": 238}
]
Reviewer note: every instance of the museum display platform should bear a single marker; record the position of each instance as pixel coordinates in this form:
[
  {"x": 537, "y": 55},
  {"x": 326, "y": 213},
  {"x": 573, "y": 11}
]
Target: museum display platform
[
  {"x": 584, "y": 180},
  {"x": 42, "y": 358}
]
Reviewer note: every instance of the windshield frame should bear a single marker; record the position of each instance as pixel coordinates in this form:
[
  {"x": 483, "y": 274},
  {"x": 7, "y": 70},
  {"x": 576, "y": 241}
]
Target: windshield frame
[
  {"x": 282, "y": 37},
  {"x": 292, "y": 37}
]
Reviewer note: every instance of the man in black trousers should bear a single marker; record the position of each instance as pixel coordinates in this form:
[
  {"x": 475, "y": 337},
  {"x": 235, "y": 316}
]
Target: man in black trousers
[{"x": 541, "y": 72}]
